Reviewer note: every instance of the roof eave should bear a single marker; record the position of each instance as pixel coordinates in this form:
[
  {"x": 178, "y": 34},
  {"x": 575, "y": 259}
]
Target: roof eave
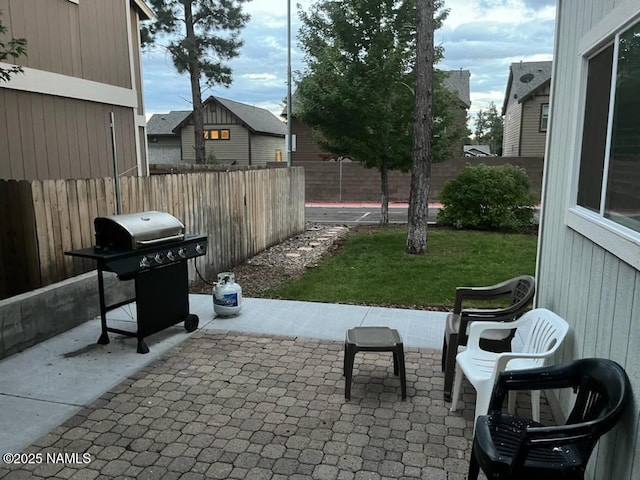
[
  {"x": 146, "y": 12},
  {"x": 533, "y": 92},
  {"x": 505, "y": 104}
]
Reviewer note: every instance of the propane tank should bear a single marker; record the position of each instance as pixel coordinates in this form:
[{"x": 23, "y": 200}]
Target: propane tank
[{"x": 227, "y": 295}]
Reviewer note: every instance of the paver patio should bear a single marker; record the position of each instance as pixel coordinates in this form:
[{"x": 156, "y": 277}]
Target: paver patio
[{"x": 246, "y": 406}]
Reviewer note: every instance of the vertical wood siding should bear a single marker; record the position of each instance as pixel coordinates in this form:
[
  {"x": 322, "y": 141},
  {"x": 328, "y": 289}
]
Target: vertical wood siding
[
  {"x": 86, "y": 40},
  {"x": 242, "y": 212},
  {"x": 596, "y": 292},
  {"x": 46, "y": 137}
]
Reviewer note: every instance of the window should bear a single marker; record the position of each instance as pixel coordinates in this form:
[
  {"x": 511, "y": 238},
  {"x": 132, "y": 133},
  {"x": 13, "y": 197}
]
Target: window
[
  {"x": 609, "y": 175},
  {"x": 217, "y": 134},
  {"x": 544, "y": 116}
]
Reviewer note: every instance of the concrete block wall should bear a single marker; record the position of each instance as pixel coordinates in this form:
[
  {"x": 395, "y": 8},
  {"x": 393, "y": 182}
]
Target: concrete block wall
[
  {"x": 32, "y": 317},
  {"x": 325, "y": 183}
]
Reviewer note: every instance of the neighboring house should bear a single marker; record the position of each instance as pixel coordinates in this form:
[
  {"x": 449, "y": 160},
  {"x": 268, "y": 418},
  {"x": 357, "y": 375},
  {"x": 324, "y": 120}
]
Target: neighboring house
[
  {"x": 307, "y": 149},
  {"x": 235, "y": 133},
  {"x": 82, "y": 65},
  {"x": 526, "y": 109},
  {"x": 588, "y": 268},
  {"x": 458, "y": 81},
  {"x": 164, "y": 143},
  {"x": 477, "y": 151}
]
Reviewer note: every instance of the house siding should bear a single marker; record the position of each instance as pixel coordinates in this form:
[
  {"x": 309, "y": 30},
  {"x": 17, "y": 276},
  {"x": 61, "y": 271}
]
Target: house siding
[
  {"x": 236, "y": 149},
  {"x": 307, "y": 149},
  {"x": 263, "y": 149},
  {"x": 532, "y": 140},
  {"x": 594, "y": 290},
  {"x": 511, "y": 136},
  {"x": 48, "y": 137},
  {"x": 82, "y": 63},
  {"x": 88, "y": 40}
]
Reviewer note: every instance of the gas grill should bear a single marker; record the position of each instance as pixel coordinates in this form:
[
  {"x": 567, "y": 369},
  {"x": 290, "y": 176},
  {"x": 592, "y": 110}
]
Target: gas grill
[{"x": 152, "y": 249}]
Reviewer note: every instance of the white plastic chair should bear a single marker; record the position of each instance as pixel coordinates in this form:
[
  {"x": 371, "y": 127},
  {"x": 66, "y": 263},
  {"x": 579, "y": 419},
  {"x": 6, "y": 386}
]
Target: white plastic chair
[{"x": 546, "y": 331}]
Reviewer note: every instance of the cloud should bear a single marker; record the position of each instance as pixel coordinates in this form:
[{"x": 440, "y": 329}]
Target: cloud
[
  {"x": 482, "y": 36},
  {"x": 507, "y": 32}
]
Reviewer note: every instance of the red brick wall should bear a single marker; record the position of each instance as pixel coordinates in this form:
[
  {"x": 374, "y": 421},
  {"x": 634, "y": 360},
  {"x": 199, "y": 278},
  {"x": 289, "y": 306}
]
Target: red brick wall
[{"x": 359, "y": 184}]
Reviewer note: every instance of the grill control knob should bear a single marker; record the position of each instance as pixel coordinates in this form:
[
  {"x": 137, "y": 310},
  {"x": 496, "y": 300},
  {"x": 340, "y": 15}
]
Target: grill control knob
[
  {"x": 182, "y": 252},
  {"x": 144, "y": 262},
  {"x": 170, "y": 256},
  {"x": 199, "y": 248},
  {"x": 159, "y": 258}
]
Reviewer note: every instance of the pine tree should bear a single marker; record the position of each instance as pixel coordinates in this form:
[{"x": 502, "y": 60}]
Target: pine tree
[
  {"x": 423, "y": 120},
  {"x": 200, "y": 35}
]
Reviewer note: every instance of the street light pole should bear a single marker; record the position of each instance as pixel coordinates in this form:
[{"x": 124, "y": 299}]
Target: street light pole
[{"x": 289, "y": 119}]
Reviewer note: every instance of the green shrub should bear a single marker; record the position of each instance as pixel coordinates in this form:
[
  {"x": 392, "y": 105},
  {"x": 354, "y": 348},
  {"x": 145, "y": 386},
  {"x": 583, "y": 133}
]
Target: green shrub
[{"x": 488, "y": 198}]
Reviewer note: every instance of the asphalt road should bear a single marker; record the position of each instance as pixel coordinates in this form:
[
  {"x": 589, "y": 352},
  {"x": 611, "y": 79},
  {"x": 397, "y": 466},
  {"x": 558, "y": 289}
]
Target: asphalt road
[{"x": 354, "y": 215}]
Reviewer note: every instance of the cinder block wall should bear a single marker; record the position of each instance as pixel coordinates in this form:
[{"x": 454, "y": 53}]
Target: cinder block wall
[
  {"x": 32, "y": 317},
  {"x": 324, "y": 182}
]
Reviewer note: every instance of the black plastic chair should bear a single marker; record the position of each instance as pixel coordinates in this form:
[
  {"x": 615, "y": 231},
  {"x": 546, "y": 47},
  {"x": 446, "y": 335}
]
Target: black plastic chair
[
  {"x": 518, "y": 290},
  {"x": 509, "y": 447}
]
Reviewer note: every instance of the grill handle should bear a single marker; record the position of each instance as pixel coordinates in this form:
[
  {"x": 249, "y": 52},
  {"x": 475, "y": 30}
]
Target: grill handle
[{"x": 155, "y": 241}]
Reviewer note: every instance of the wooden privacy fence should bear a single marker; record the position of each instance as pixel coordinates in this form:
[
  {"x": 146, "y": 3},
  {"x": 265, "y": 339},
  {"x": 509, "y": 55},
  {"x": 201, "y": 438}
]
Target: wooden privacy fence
[{"x": 242, "y": 212}]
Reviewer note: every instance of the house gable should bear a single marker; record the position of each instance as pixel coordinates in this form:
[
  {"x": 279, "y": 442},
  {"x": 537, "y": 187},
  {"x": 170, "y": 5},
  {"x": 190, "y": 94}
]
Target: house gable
[
  {"x": 236, "y": 133},
  {"x": 527, "y": 89}
]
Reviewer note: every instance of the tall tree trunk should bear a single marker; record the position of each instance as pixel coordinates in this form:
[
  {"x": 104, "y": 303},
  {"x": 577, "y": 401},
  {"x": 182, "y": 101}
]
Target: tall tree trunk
[
  {"x": 421, "y": 166},
  {"x": 194, "y": 75},
  {"x": 384, "y": 200}
]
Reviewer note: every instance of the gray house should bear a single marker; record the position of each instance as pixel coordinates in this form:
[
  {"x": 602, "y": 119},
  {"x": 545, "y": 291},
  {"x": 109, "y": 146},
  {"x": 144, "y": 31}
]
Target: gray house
[
  {"x": 589, "y": 248},
  {"x": 164, "y": 143},
  {"x": 526, "y": 109},
  {"x": 235, "y": 133}
]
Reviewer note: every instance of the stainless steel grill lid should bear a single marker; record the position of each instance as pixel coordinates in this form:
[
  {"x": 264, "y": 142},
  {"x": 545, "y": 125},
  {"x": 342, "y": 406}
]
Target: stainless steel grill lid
[{"x": 136, "y": 230}]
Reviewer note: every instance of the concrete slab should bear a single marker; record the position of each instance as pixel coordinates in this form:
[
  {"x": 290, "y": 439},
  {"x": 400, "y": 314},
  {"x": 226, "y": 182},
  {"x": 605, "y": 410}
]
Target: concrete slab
[{"x": 46, "y": 384}]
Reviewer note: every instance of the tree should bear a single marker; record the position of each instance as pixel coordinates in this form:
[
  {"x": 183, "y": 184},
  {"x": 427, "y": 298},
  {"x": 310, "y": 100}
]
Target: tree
[
  {"x": 421, "y": 165},
  {"x": 201, "y": 35},
  {"x": 14, "y": 48},
  {"x": 357, "y": 90},
  {"x": 489, "y": 129}
]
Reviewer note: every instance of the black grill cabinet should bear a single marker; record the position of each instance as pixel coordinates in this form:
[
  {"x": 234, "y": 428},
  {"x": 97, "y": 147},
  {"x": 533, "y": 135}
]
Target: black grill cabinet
[{"x": 151, "y": 249}]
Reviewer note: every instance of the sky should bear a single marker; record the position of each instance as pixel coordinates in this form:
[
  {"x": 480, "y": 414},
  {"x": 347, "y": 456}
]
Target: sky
[{"x": 482, "y": 36}]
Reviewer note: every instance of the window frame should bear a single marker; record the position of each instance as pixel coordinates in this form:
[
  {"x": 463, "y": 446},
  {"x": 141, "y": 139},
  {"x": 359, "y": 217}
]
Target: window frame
[
  {"x": 619, "y": 240},
  {"x": 217, "y": 134},
  {"x": 543, "y": 117}
]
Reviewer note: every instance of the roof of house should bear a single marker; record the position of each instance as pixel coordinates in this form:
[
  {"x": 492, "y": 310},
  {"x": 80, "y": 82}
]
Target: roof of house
[
  {"x": 146, "y": 12},
  {"x": 525, "y": 78},
  {"x": 164, "y": 123},
  {"x": 458, "y": 81},
  {"x": 477, "y": 150},
  {"x": 256, "y": 119}
]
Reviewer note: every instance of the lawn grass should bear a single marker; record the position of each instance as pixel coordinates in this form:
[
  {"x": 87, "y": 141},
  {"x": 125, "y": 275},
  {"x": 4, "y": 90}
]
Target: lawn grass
[{"x": 373, "y": 268}]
